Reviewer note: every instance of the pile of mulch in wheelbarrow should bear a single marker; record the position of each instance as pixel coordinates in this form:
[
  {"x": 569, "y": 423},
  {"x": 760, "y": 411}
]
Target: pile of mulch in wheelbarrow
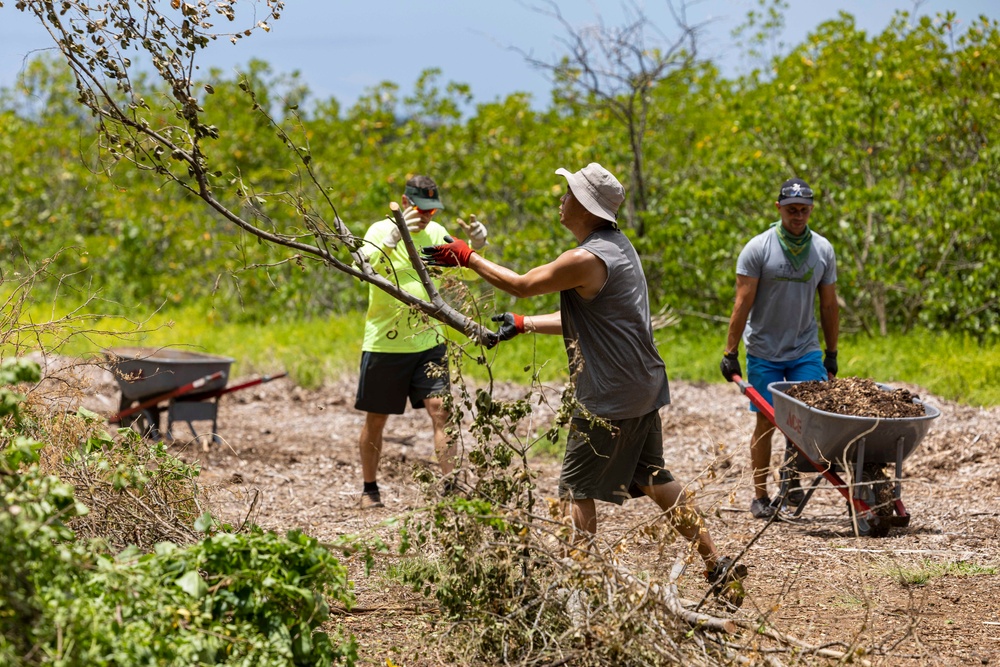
[{"x": 857, "y": 397}]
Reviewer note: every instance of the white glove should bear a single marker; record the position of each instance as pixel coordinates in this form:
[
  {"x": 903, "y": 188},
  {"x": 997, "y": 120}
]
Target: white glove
[
  {"x": 476, "y": 231},
  {"x": 411, "y": 216}
]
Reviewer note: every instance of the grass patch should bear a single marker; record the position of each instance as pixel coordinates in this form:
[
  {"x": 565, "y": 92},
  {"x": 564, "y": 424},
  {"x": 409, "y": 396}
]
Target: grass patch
[
  {"x": 311, "y": 351},
  {"x": 955, "y": 367},
  {"x": 925, "y": 570}
]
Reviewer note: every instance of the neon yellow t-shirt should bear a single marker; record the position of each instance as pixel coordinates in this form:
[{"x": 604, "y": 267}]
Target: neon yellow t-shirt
[{"x": 391, "y": 326}]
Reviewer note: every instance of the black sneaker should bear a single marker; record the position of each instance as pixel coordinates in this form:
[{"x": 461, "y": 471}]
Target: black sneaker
[
  {"x": 795, "y": 494},
  {"x": 726, "y": 580},
  {"x": 761, "y": 508}
]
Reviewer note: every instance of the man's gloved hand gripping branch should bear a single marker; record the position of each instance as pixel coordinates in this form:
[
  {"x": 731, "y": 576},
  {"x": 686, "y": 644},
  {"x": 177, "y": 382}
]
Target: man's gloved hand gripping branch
[
  {"x": 454, "y": 252},
  {"x": 475, "y": 230},
  {"x": 511, "y": 324}
]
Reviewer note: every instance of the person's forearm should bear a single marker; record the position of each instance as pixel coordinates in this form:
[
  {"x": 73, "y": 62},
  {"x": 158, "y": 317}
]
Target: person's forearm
[
  {"x": 830, "y": 320},
  {"x": 746, "y": 294},
  {"x": 737, "y": 323},
  {"x": 550, "y": 323},
  {"x": 733, "y": 338},
  {"x": 500, "y": 277}
]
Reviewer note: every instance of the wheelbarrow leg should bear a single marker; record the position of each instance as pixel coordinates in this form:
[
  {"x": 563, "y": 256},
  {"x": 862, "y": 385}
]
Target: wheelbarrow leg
[
  {"x": 857, "y": 490},
  {"x": 809, "y": 492},
  {"x": 788, "y": 471},
  {"x": 902, "y": 518}
]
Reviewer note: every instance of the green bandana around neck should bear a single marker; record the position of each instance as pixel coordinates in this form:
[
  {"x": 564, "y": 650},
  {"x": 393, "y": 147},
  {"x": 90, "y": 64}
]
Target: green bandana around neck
[{"x": 796, "y": 247}]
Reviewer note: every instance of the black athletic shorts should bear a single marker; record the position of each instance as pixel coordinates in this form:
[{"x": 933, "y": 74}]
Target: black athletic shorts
[
  {"x": 611, "y": 465},
  {"x": 388, "y": 378}
]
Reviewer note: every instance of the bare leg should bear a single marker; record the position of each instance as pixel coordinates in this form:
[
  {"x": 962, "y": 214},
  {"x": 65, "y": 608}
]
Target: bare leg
[
  {"x": 760, "y": 454},
  {"x": 444, "y": 446},
  {"x": 673, "y": 500},
  {"x": 370, "y": 444},
  {"x": 584, "y": 515}
]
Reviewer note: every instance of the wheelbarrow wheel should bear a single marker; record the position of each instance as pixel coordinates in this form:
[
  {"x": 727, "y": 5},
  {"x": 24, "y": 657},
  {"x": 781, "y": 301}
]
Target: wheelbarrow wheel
[{"x": 876, "y": 492}]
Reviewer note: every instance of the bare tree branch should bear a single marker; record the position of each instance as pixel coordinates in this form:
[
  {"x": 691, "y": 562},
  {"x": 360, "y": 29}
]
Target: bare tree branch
[
  {"x": 103, "y": 42},
  {"x": 615, "y": 68}
]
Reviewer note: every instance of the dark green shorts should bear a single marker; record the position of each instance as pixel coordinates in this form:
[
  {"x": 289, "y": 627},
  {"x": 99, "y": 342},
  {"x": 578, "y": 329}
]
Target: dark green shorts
[{"x": 612, "y": 465}]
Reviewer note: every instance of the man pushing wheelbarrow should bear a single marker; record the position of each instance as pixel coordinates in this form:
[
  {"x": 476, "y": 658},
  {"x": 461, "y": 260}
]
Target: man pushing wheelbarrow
[{"x": 778, "y": 276}]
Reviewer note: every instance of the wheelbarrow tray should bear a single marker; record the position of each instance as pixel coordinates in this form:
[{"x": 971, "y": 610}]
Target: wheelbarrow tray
[
  {"x": 827, "y": 437},
  {"x": 144, "y": 372}
]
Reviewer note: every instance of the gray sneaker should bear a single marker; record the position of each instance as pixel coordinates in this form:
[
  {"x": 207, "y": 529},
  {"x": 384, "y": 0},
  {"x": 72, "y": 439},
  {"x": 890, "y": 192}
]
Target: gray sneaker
[
  {"x": 371, "y": 500},
  {"x": 761, "y": 508}
]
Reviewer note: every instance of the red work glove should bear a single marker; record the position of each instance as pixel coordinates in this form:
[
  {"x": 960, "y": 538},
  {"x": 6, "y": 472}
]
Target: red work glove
[{"x": 453, "y": 253}]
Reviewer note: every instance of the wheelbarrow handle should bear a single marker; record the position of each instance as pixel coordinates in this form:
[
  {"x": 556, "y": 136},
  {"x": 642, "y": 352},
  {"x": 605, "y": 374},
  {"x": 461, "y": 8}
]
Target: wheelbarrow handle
[
  {"x": 759, "y": 401},
  {"x": 190, "y": 386},
  {"x": 243, "y": 385}
]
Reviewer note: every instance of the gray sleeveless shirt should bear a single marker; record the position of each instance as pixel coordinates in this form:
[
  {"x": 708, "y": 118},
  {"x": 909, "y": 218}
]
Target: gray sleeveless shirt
[{"x": 609, "y": 339}]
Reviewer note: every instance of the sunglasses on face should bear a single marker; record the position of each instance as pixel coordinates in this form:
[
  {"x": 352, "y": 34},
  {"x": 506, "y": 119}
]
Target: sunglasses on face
[
  {"x": 796, "y": 191},
  {"x": 427, "y": 211}
]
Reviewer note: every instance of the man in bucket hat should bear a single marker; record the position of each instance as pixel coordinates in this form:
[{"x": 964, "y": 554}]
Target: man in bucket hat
[
  {"x": 778, "y": 275},
  {"x": 404, "y": 355},
  {"x": 619, "y": 376}
]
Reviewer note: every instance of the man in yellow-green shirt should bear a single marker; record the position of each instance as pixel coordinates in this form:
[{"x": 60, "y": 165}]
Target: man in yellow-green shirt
[{"x": 404, "y": 353}]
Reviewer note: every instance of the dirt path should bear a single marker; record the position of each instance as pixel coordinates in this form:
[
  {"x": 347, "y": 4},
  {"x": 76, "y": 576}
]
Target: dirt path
[{"x": 295, "y": 451}]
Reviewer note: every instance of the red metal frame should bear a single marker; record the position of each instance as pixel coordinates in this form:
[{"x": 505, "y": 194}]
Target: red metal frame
[{"x": 244, "y": 385}]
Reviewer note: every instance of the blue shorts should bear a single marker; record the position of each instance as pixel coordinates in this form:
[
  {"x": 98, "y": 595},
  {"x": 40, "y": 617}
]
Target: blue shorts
[{"x": 761, "y": 372}]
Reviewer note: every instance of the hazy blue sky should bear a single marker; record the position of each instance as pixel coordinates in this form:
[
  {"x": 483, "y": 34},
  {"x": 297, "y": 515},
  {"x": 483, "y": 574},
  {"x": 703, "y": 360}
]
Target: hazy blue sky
[{"x": 342, "y": 47}]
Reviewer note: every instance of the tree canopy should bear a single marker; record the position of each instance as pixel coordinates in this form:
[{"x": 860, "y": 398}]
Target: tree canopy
[{"x": 897, "y": 132}]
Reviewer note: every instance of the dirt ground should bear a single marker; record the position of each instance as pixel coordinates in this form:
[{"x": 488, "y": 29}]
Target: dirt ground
[{"x": 296, "y": 451}]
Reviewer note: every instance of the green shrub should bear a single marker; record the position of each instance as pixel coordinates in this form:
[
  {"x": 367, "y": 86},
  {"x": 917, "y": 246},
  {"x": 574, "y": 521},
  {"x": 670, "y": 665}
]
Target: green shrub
[{"x": 228, "y": 598}]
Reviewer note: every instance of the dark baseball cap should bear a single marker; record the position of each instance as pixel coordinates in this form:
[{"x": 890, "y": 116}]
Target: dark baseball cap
[
  {"x": 795, "y": 191},
  {"x": 426, "y": 197}
]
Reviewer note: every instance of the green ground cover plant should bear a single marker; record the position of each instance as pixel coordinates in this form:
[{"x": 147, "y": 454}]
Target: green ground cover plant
[
  {"x": 71, "y": 595},
  {"x": 923, "y": 571}
]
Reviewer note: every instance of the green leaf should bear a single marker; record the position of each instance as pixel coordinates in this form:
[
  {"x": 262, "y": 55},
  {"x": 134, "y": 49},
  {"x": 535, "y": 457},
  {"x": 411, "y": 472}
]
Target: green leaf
[{"x": 192, "y": 584}]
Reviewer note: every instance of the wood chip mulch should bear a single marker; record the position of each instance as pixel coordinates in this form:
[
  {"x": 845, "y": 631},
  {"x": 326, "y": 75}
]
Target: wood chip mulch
[{"x": 857, "y": 397}]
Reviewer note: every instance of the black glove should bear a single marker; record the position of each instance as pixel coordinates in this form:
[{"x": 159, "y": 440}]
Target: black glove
[
  {"x": 511, "y": 325},
  {"x": 730, "y": 366},
  {"x": 830, "y": 362}
]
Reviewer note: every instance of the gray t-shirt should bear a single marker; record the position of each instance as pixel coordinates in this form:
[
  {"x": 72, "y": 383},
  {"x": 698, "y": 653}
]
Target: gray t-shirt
[
  {"x": 782, "y": 323},
  {"x": 619, "y": 372}
]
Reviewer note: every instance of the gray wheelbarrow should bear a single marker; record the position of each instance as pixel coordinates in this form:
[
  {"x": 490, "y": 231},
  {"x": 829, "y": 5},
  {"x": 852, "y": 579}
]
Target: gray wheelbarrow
[
  {"x": 190, "y": 385},
  {"x": 829, "y": 443}
]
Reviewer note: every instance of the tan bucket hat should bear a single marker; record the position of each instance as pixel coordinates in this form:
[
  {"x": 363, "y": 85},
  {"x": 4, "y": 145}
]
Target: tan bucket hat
[{"x": 597, "y": 189}]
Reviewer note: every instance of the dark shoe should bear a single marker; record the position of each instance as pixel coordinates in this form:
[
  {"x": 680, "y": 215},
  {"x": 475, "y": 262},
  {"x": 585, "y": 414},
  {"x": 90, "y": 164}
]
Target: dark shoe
[
  {"x": 726, "y": 580},
  {"x": 761, "y": 508},
  {"x": 449, "y": 487},
  {"x": 795, "y": 494},
  {"x": 371, "y": 500}
]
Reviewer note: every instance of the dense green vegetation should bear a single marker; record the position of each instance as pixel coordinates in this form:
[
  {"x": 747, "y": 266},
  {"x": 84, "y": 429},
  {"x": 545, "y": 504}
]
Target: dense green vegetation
[
  {"x": 223, "y": 596},
  {"x": 898, "y": 132}
]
